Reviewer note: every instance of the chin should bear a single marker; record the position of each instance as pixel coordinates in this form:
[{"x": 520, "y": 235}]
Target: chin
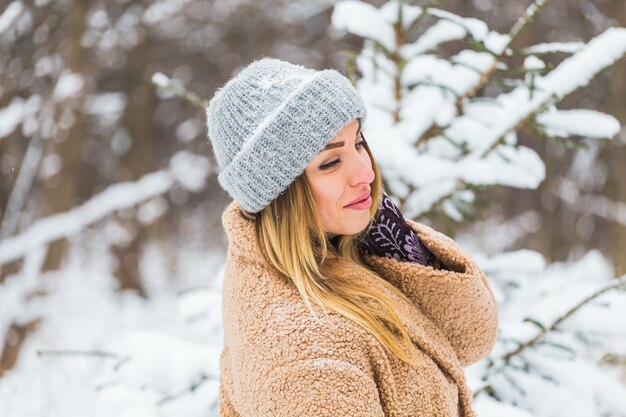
[{"x": 354, "y": 225}]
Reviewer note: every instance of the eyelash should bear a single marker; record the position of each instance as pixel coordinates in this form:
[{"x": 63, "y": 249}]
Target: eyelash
[{"x": 336, "y": 161}]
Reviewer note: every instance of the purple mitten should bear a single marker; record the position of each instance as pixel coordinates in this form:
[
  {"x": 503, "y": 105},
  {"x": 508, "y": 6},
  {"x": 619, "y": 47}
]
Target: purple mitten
[{"x": 391, "y": 236}]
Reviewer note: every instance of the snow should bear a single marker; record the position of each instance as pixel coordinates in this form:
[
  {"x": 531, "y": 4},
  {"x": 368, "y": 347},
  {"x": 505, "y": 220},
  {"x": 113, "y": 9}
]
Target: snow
[
  {"x": 11, "y": 116},
  {"x": 151, "y": 210},
  {"x": 577, "y": 70},
  {"x": 425, "y": 197},
  {"x": 533, "y": 63},
  {"x": 189, "y": 130},
  {"x": 487, "y": 406},
  {"x": 105, "y": 104},
  {"x": 519, "y": 167},
  {"x": 475, "y": 27},
  {"x": 44, "y": 66},
  {"x": 51, "y": 164},
  {"x": 443, "y": 31},
  {"x": 389, "y": 11},
  {"x": 121, "y": 142},
  {"x": 586, "y": 123},
  {"x": 162, "y": 10},
  {"x": 185, "y": 168},
  {"x": 369, "y": 22},
  {"x": 157, "y": 349},
  {"x": 155, "y": 352},
  {"x": 456, "y": 78},
  {"x": 190, "y": 170},
  {"x": 468, "y": 150},
  {"x": 552, "y": 47},
  {"x": 98, "y": 18},
  {"x": 10, "y": 14},
  {"x": 496, "y": 42},
  {"x": 68, "y": 85},
  {"x": 562, "y": 366},
  {"x": 65, "y": 224},
  {"x": 160, "y": 79},
  {"x": 569, "y": 75},
  {"x": 20, "y": 111},
  {"x": 364, "y": 20},
  {"x": 520, "y": 262}
]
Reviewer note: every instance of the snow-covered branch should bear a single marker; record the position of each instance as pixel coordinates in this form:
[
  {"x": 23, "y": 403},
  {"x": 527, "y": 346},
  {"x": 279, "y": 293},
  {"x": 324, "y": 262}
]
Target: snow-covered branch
[
  {"x": 185, "y": 168},
  {"x": 573, "y": 73},
  {"x": 619, "y": 285},
  {"x": 22, "y": 186},
  {"x": 434, "y": 145},
  {"x": 500, "y": 46},
  {"x": 164, "y": 82}
]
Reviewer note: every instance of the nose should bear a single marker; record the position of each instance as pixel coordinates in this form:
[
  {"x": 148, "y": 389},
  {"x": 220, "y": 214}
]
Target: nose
[{"x": 360, "y": 171}]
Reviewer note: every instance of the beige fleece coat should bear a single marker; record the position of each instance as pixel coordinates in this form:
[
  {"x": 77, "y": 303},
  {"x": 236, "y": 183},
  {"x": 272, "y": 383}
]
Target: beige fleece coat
[{"x": 279, "y": 360}]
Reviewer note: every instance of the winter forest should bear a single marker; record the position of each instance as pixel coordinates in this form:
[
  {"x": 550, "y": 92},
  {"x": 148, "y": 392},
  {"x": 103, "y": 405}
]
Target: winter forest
[{"x": 499, "y": 123}]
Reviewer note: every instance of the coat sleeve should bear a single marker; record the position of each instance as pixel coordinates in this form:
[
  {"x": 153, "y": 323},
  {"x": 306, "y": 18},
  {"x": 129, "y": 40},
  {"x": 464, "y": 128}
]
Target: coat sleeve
[
  {"x": 320, "y": 387},
  {"x": 458, "y": 298}
]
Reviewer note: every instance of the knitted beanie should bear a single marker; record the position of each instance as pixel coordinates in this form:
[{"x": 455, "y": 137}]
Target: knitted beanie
[{"x": 268, "y": 122}]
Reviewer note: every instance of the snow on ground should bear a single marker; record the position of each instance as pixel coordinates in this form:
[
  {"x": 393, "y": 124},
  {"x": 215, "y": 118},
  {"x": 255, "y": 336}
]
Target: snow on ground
[{"x": 102, "y": 353}]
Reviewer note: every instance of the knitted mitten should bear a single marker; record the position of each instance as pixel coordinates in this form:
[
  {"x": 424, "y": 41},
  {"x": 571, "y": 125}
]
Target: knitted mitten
[{"x": 391, "y": 236}]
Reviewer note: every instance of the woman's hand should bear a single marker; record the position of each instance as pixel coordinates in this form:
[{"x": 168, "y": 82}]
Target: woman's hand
[{"x": 391, "y": 236}]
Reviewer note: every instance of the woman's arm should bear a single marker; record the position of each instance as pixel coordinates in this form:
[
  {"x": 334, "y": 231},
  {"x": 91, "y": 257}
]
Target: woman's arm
[{"x": 457, "y": 298}]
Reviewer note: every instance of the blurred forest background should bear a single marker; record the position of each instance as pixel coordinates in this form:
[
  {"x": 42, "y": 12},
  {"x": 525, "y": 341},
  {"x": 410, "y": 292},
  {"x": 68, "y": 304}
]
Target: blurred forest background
[{"x": 78, "y": 113}]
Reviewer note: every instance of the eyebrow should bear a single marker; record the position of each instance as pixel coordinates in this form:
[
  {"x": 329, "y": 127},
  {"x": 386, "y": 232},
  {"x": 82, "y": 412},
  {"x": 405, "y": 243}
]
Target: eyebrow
[{"x": 341, "y": 143}]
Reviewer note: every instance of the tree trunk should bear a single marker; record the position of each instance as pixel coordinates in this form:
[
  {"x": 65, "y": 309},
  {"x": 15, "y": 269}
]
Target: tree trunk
[
  {"x": 60, "y": 194},
  {"x": 616, "y": 188},
  {"x": 138, "y": 161}
]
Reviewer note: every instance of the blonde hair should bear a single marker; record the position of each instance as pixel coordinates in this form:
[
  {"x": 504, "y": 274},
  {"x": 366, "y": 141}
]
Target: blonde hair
[{"x": 292, "y": 238}]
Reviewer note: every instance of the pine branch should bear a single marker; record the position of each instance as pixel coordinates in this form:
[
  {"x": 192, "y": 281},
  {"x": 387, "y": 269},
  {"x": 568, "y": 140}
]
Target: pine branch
[
  {"x": 518, "y": 27},
  {"x": 527, "y": 18},
  {"x": 191, "y": 388},
  {"x": 620, "y": 284},
  {"x": 551, "y": 99},
  {"x": 612, "y": 359}
]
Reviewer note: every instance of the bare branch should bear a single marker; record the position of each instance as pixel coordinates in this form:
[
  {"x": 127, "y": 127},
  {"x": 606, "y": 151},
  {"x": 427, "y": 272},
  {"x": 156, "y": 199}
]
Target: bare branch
[{"x": 165, "y": 83}]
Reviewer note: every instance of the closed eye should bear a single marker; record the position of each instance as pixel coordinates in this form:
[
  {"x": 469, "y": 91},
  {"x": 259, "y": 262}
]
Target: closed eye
[{"x": 358, "y": 145}]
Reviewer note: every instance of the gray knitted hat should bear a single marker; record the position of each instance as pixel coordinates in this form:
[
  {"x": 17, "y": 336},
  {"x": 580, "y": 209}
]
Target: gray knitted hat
[{"x": 270, "y": 121}]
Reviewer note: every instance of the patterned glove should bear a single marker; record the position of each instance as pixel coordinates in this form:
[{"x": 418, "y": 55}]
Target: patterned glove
[{"x": 391, "y": 236}]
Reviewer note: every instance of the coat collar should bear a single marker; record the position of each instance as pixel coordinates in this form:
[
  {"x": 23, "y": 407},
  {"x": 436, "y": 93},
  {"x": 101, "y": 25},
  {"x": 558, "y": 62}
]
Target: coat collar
[{"x": 241, "y": 234}]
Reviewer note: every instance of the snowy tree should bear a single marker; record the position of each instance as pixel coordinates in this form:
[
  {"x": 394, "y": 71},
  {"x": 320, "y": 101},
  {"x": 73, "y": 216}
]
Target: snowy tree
[{"x": 436, "y": 138}]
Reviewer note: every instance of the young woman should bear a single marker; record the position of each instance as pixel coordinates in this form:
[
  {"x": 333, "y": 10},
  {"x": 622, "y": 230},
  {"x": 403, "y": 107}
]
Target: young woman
[{"x": 333, "y": 303}]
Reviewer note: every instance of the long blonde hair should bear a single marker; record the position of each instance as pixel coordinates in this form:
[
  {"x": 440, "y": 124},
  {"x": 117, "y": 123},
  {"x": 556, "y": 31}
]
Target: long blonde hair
[{"x": 292, "y": 238}]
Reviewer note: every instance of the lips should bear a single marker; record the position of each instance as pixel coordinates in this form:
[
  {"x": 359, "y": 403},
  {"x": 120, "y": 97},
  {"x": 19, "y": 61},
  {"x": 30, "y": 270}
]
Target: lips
[{"x": 359, "y": 198}]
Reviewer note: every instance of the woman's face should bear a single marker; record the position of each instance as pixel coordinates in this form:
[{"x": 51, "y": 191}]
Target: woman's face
[{"x": 340, "y": 174}]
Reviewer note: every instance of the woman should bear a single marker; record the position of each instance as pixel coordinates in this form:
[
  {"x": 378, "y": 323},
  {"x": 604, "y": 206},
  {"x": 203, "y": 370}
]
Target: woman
[{"x": 331, "y": 307}]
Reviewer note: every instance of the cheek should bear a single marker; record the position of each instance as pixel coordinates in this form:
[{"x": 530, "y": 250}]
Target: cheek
[{"x": 327, "y": 194}]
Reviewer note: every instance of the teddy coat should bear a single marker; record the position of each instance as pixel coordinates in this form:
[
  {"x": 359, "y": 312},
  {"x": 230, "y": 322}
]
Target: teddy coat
[{"x": 280, "y": 360}]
